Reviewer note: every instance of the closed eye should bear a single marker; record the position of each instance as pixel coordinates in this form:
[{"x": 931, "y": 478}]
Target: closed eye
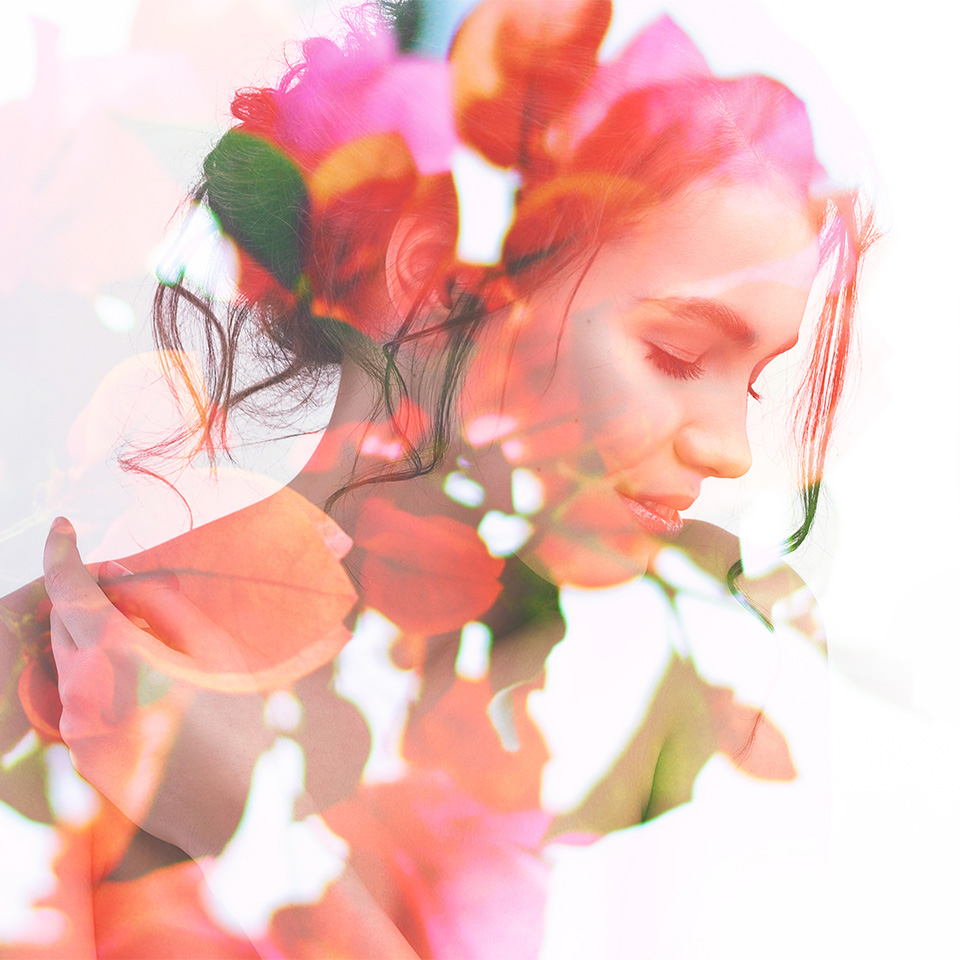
[{"x": 674, "y": 366}]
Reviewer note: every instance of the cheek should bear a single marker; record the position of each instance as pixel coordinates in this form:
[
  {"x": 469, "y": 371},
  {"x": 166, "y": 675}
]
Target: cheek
[{"x": 631, "y": 410}]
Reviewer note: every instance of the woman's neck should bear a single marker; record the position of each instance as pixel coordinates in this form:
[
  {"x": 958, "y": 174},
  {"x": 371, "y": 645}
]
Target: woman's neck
[{"x": 360, "y": 442}]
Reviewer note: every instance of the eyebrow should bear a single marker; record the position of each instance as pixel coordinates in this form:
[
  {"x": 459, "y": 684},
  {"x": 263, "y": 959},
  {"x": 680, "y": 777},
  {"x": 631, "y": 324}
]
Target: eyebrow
[{"x": 712, "y": 313}]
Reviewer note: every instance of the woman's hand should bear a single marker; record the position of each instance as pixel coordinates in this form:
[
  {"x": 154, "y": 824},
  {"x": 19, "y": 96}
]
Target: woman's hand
[{"x": 174, "y": 758}]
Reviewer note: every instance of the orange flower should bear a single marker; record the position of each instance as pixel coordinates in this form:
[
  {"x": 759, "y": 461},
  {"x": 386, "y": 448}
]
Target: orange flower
[{"x": 517, "y": 69}]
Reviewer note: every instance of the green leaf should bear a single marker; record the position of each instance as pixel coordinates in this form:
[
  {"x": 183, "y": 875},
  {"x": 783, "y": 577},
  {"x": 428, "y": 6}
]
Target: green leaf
[{"x": 258, "y": 194}]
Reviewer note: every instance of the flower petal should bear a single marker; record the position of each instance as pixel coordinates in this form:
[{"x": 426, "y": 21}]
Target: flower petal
[
  {"x": 517, "y": 69},
  {"x": 428, "y": 574},
  {"x": 270, "y": 576}
]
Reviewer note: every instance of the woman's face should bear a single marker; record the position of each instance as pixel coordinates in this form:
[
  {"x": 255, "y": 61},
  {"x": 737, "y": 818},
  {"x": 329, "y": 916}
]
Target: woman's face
[{"x": 647, "y": 393}]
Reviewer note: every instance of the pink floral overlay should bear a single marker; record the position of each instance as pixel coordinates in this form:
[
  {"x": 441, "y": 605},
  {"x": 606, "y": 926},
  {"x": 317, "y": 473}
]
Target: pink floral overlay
[{"x": 383, "y": 793}]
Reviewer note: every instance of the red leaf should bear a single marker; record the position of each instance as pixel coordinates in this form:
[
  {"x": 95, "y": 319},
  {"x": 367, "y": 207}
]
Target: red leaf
[
  {"x": 428, "y": 574},
  {"x": 501, "y": 778},
  {"x": 38, "y": 693}
]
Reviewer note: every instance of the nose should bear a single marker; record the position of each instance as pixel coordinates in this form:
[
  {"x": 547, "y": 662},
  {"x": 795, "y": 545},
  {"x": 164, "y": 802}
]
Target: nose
[{"x": 713, "y": 440}]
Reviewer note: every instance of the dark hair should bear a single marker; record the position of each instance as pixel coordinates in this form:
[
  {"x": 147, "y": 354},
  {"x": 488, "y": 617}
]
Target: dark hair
[{"x": 651, "y": 144}]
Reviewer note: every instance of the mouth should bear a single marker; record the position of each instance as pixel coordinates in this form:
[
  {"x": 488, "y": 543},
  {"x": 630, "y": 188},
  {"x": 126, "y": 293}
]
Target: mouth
[{"x": 655, "y": 517}]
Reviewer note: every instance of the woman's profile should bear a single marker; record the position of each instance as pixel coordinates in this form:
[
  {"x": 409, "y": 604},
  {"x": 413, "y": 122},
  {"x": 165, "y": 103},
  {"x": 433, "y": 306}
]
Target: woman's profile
[{"x": 449, "y": 691}]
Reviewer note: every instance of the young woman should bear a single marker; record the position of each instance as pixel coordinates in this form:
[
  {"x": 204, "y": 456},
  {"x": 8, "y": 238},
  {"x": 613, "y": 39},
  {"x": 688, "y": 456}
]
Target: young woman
[{"x": 380, "y": 713}]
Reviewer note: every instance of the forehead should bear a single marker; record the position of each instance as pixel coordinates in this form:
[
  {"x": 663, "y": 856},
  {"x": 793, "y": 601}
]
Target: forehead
[
  {"x": 722, "y": 231},
  {"x": 751, "y": 248}
]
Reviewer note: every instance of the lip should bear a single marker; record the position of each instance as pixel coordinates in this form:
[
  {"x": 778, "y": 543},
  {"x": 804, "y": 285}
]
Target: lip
[{"x": 659, "y": 518}]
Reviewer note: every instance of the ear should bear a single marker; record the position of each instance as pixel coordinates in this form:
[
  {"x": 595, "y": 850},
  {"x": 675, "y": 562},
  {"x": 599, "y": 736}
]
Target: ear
[{"x": 419, "y": 260}]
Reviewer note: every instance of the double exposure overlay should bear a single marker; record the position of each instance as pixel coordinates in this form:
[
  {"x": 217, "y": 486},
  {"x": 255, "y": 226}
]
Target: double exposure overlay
[{"x": 472, "y": 681}]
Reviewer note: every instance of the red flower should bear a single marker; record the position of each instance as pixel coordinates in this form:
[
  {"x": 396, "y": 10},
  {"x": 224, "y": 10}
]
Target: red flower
[
  {"x": 313, "y": 181},
  {"x": 357, "y": 194}
]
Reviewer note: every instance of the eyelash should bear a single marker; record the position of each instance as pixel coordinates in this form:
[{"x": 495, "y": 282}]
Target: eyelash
[
  {"x": 673, "y": 366},
  {"x": 683, "y": 369}
]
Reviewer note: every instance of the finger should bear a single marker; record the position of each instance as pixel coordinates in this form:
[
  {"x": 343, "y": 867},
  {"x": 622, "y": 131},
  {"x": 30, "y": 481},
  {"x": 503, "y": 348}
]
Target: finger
[
  {"x": 61, "y": 643},
  {"x": 172, "y": 617},
  {"x": 88, "y": 616},
  {"x": 94, "y": 697}
]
